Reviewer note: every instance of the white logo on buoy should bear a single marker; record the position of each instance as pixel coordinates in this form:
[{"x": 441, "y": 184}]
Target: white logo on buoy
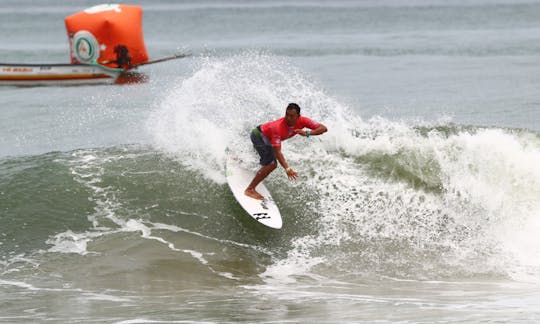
[
  {"x": 103, "y": 7},
  {"x": 85, "y": 47}
]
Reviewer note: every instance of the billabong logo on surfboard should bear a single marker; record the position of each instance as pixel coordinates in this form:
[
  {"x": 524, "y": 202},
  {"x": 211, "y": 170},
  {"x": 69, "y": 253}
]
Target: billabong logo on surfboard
[{"x": 259, "y": 216}]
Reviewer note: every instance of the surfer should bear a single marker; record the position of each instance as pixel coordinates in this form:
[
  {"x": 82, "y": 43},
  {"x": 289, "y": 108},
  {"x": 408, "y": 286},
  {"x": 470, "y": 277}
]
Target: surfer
[{"x": 267, "y": 138}]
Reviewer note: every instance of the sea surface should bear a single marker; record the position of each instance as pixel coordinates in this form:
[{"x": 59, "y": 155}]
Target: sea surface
[{"x": 420, "y": 205}]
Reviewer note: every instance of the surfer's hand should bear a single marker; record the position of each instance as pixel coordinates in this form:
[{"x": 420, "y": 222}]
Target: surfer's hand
[
  {"x": 291, "y": 173},
  {"x": 306, "y": 133},
  {"x": 300, "y": 132}
]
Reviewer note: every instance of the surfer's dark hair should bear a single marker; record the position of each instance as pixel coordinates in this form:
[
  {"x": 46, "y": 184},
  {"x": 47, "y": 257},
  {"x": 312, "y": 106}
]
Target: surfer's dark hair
[{"x": 294, "y": 106}]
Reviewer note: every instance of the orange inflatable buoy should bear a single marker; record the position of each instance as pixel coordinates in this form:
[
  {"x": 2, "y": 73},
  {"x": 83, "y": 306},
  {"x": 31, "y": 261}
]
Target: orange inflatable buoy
[{"x": 109, "y": 34}]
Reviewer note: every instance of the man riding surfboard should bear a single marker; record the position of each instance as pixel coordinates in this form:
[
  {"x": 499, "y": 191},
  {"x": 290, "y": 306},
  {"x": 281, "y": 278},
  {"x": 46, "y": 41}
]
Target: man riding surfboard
[{"x": 267, "y": 138}]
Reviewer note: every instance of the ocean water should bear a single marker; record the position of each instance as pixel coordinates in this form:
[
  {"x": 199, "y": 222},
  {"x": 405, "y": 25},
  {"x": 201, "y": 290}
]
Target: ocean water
[{"x": 421, "y": 204}]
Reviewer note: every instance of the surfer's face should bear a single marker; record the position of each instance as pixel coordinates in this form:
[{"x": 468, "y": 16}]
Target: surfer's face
[{"x": 291, "y": 117}]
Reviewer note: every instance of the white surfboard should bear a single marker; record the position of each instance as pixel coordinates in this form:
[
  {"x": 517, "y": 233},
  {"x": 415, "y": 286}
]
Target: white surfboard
[{"x": 264, "y": 211}]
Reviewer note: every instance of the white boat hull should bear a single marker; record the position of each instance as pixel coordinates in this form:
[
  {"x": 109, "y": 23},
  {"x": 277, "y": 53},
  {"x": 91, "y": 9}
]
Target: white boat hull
[{"x": 57, "y": 74}]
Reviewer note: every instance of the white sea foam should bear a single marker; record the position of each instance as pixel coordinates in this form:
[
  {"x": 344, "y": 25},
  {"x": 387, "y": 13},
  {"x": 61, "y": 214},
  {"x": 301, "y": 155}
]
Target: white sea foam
[
  {"x": 18, "y": 284},
  {"x": 103, "y": 297},
  {"x": 498, "y": 171},
  {"x": 298, "y": 263},
  {"x": 222, "y": 101},
  {"x": 70, "y": 242},
  {"x": 144, "y": 320},
  {"x": 30, "y": 287},
  {"x": 489, "y": 189},
  {"x": 136, "y": 226}
]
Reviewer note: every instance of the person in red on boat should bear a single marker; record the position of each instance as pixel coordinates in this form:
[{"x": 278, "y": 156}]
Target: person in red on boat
[{"x": 267, "y": 138}]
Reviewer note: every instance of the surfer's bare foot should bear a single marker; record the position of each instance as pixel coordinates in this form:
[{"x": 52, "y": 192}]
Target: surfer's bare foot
[{"x": 253, "y": 194}]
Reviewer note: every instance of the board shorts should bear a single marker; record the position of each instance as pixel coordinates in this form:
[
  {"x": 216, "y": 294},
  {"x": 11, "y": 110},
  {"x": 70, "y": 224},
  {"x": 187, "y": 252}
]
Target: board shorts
[{"x": 265, "y": 150}]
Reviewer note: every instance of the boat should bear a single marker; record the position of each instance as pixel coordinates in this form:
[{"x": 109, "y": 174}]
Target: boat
[
  {"x": 57, "y": 74},
  {"x": 106, "y": 46}
]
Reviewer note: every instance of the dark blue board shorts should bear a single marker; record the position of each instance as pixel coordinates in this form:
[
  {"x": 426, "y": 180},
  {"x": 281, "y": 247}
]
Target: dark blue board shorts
[{"x": 266, "y": 151}]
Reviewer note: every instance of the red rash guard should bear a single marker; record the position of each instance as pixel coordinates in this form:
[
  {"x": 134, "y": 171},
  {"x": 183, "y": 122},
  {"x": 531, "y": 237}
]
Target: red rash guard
[{"x": 278, "y": 130}]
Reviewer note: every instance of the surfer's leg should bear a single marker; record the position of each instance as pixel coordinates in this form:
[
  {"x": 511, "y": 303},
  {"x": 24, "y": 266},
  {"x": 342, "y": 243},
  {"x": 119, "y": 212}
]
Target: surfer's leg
[
  {"x": 260, "y": 176},
  {"x": 268, "y": 161}
]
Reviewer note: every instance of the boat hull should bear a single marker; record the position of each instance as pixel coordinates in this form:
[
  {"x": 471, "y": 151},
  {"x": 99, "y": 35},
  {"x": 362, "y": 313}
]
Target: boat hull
[{"x": 57, "y": 74}]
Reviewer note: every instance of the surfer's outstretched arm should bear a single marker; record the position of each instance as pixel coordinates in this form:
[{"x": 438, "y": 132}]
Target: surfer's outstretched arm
[
  {"x": 291, "y": 173},
  {"x": 312, "y": 132}
]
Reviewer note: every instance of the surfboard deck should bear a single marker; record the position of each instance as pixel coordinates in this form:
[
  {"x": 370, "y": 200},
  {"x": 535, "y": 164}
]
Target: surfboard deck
[{"x": 264, "y": 211}]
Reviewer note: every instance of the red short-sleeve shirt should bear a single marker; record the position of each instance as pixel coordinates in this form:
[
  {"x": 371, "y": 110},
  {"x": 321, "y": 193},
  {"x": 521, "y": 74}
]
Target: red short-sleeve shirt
[{"x": 278, "y": 130}]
